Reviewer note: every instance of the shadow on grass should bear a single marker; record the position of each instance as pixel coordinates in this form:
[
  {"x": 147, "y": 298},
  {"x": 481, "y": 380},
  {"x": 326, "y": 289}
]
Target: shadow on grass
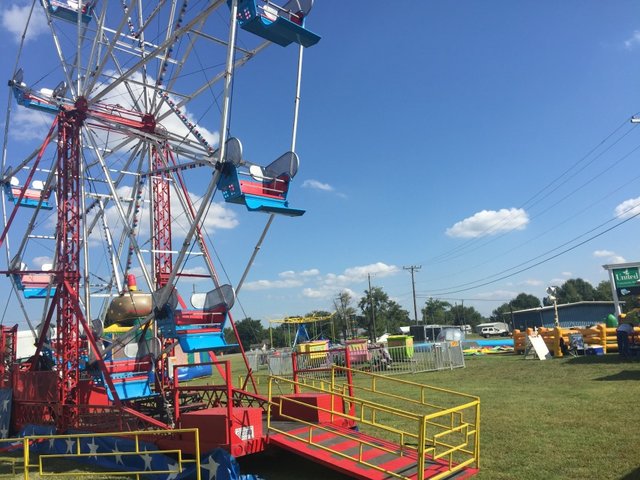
[
  {"x": 635, "y": 475},
  {"x": 623, "y": 375},
  {"x": 611, "y": 359}
]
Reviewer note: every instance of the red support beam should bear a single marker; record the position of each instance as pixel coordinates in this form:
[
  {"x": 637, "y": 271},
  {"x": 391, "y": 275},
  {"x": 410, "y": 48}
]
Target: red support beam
[
  {"x": 161, "y": 195},
  {"x": 68, "y": 260}
]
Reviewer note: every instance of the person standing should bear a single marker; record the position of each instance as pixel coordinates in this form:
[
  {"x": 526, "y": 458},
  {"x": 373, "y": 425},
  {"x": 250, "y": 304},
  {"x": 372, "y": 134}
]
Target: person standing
[{"x": 623, "y": 334}]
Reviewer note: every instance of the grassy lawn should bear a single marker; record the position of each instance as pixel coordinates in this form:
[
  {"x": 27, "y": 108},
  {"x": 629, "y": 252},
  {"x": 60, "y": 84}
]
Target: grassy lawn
[
  {"x": 564, "y": 418},
  {"x": 570, "y": 418}
]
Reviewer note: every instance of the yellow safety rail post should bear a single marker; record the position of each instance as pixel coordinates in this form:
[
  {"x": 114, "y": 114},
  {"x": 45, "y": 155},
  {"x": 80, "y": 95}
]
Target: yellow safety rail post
[
  {"x": 11, "y": 460},
  {"x": 78, "y": 454},
  {"x": 25, "y": 450},
  {"x": 445, "y": 425}
]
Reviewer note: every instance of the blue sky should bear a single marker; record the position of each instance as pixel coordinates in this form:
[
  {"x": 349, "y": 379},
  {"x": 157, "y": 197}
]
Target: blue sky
[{"x": 474, "y": 139}]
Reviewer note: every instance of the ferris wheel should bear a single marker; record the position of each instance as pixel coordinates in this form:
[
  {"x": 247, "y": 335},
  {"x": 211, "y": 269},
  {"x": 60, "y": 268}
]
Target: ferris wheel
[{"x": 109, "y": 209}]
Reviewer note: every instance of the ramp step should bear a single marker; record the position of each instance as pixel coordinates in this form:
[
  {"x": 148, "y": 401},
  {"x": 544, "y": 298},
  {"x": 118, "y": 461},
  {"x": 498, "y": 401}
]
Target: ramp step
[{"x": 330, "y": 446}]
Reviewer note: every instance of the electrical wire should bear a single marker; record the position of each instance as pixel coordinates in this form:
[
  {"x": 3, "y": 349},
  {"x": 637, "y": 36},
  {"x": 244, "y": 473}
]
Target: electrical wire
[{"x": 456, "y": 289}]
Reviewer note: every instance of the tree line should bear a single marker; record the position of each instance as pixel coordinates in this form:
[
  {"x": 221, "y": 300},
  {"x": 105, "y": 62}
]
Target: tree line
[{"x": 375, "y": 314}]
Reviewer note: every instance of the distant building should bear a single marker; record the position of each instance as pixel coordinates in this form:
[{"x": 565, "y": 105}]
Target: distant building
[{"x": 577, "y": 314}]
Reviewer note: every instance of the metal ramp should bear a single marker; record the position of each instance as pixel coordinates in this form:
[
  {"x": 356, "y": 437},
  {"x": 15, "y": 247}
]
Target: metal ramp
[
  {"x": 358, "y": 455},
  {"x": 373, "y": 427}
]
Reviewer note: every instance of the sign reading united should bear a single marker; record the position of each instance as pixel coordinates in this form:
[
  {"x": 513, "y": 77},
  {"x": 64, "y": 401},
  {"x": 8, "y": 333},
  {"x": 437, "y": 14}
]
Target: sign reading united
[{"x": 626, "y": 277}]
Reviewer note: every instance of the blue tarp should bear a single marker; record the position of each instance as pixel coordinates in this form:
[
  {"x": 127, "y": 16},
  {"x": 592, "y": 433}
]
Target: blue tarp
[
  {"x": 5, "y": 411},
  {"x": 217, "y": 464}
]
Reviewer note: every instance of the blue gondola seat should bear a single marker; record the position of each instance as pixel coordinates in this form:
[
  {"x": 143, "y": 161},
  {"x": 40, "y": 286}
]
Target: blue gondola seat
[
  {"x": 32, "y": 196},
  {"x": 132, "y": 378},
  {"x": 200, "y": 330},
  {"x": 68, "y": 10},
  {"x": 46, "y": 100},
  {"x": 261, "y": 189},
  {"x": 279, "y": 24}
]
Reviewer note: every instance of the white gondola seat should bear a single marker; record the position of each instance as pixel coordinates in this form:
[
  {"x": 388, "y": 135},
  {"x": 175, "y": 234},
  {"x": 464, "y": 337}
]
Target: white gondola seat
[
  {"x": 68, "y": 10},
  {"x": 282, "y": 25},
  {"x": 31, "y": 197},
  {"x": 200, "y": 330},
  {"x": 261, "y": 189}
]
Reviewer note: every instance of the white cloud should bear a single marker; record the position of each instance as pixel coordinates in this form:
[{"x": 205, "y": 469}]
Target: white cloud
[
  {"x": 332, "y": 284},
  {"x": 533, "y": 282},
  {"x": 324, "y": 286},
  {"x": 271, "y": 284},
  {"x": 567, "y": 274},
  {"x": 612, "y": 257},
  {"x": 316, "y": 185},
  {"x": 14, "y": 19},
  {"x": 29, "y": 125},
  {"x": 628, "y": 208},
  {"x": 316, "y": 292},
  {"x": 305, "y": 273},
  {"x": 378, "y": 269},
  {"x": 633, "y": 41},
  {"x": 288, "y": 279},
  {"x": 38, "y": 262},
  {"x": 490, "y": 222},
  {"x": 498, "y": 295}
]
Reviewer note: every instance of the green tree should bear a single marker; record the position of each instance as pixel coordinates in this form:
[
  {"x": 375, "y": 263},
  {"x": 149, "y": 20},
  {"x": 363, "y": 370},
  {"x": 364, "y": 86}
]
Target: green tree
[
  {"x": 435, "y": 311},
  {"x": 380, "y": 314},
  {"x": 344, "y": 318},
  {"x": 279, "y": 336},
  {"x": 461, "y": 315},
  {"x": 603, "y": 291},
  {"x": 251, "y": 331},
  {"x": 575, "y": 290},
  {"x": 523, "y": 301},
  {"x": 394, "y": 317}
]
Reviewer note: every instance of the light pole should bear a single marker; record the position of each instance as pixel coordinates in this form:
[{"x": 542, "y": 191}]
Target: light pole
[{"x": 551, "y": 291}]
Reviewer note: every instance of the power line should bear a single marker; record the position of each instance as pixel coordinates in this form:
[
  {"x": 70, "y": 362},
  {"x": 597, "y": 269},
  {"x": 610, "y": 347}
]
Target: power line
[
  {"x": 538, "y": 263},
  {"x": 550, "y": 188}
]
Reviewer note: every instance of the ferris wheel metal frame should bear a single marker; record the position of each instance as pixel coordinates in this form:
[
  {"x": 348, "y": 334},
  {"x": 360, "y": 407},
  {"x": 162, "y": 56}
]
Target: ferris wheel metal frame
[{"x": 111, "y": 159}]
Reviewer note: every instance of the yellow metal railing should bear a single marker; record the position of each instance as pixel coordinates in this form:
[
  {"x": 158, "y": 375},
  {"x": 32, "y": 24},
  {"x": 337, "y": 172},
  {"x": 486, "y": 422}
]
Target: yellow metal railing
[
  {"x": 43, "y": 460},
  {"x": 430, "y": 423}
]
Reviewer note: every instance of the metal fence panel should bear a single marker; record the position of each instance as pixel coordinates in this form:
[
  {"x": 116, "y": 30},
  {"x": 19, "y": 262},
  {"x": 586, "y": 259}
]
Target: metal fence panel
[{"x": 426, "y": 357}]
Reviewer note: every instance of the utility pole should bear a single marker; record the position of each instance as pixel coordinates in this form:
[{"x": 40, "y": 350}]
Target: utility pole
[
  {"x": 373, "y": 310},
  {"x": 413, "y": 268}
]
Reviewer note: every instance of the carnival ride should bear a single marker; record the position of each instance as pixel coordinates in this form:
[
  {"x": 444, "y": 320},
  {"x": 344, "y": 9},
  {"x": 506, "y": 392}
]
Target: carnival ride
[
  {"x": 302, "y": 326},
  {"x": 102, "y": 228}
]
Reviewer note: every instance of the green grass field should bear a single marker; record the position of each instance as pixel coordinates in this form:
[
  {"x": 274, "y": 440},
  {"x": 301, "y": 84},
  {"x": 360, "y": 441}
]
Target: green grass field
[{"x": 569, "y": 418}]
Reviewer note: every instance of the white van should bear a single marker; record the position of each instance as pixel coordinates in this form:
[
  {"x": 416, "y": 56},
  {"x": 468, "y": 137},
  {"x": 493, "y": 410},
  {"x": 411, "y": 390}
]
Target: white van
[{"x": 487, "y": 332}]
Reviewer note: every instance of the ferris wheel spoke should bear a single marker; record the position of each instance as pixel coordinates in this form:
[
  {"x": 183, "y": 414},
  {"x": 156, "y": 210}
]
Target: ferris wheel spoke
[
  {"x": 121, "y": 213},
  {"x": 61, "y": 57},
  {"x": 162, "y": 47},
  {"x": 111, "y": 45}
]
